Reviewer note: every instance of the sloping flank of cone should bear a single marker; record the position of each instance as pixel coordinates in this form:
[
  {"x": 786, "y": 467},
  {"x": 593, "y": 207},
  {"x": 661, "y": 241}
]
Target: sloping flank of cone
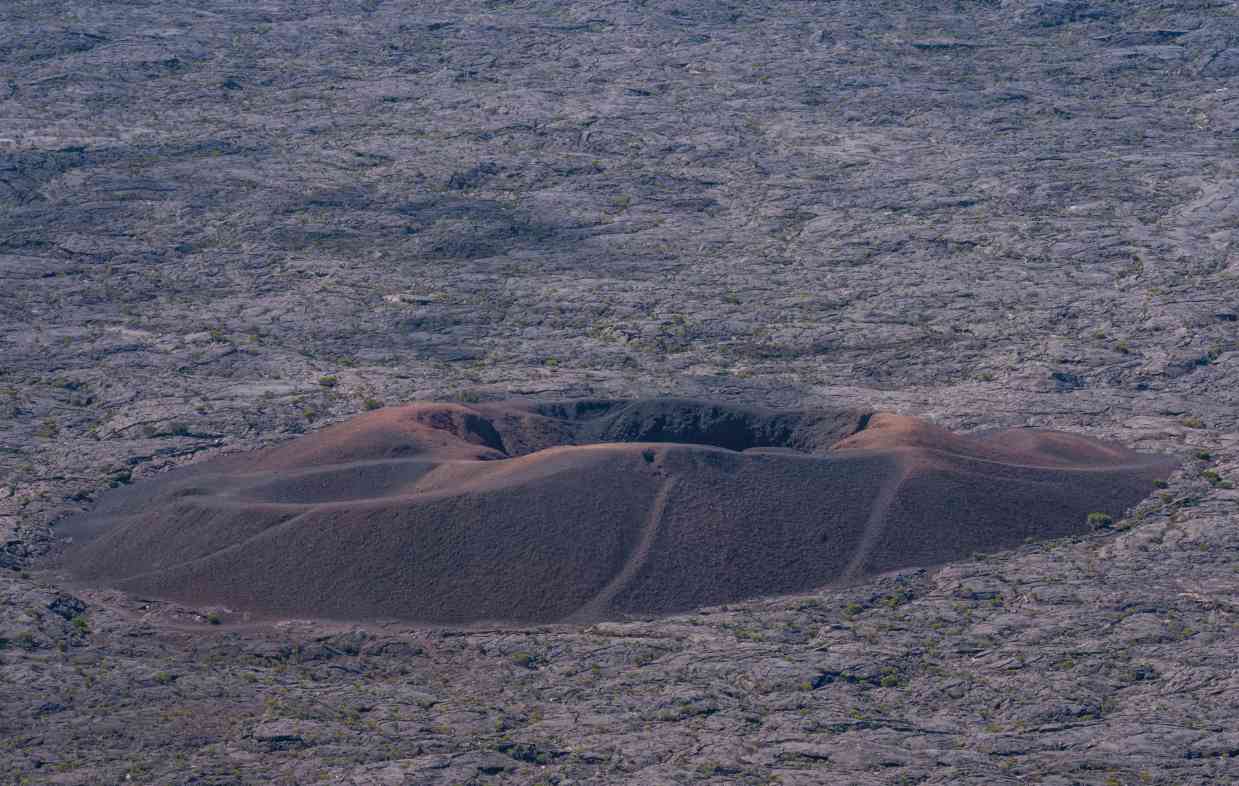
[{"x": 541, "y": 512}]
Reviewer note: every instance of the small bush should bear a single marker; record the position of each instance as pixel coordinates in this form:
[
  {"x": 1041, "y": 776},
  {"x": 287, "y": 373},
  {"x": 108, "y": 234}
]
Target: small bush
[
  {"x": 1204, "y": 455},
  {"x": 1100, "y": 520},
  {"x": 372, "y": 404},
  {"x": 81, "y": 624},
  {"x": 894, "y": 601},
  {"x": 48, "y": 429},
  {"x": 1160, "y": 484},
  {"x": 213, "y": 618},
  {"x": 525, "y": 659},
  {"x": 1193, "y": 422},
  {"x": 1215, "y": 479},
  {"x": 1142, "y": 672},
  {"x": 329, "y": 381}
]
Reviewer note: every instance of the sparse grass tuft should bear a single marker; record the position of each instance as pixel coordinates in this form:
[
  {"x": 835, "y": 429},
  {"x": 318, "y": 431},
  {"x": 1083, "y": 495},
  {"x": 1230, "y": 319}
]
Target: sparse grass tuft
[
  {"x": 48, "y": 429},
  {"x": 1216, "y": 480},
  {"x": 1100, "y": 520},
  {"x": 525, "y": 659}
]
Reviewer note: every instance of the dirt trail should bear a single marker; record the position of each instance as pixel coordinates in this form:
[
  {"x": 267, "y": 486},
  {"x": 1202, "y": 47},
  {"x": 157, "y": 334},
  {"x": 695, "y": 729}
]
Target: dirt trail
[
  {"x": 875, "y": 526},
  {"x": 600, "y": 603}
]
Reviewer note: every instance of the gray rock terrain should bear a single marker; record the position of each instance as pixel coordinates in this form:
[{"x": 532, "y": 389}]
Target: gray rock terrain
[{"x": 223, "y": 224}]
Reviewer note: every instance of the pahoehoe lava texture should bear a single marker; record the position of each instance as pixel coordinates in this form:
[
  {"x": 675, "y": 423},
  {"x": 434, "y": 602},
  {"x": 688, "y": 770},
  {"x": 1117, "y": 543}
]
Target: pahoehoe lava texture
[{"x": 526, "y": 511}]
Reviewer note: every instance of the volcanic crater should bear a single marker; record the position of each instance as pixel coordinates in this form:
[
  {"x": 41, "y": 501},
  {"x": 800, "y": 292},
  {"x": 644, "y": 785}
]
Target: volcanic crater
[{"x": 526, "y": 511}]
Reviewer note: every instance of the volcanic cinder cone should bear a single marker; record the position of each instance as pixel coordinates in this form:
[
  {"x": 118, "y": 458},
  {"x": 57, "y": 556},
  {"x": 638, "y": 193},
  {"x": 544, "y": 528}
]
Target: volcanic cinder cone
[{"x": 540, "y": 512}]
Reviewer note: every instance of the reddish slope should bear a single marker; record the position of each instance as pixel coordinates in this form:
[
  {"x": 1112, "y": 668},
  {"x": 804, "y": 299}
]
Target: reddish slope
[{"x": 453, "y": 514}]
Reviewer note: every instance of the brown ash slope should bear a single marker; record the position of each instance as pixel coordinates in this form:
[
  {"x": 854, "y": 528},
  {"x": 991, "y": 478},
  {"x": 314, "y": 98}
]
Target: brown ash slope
[{"x": 579, "y": 510}]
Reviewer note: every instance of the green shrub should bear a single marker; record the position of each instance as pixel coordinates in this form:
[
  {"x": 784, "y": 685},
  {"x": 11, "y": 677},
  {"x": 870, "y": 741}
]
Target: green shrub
[
  {"x": 1215, "y": 479},
  {"x": 525, "y": 659},
  {"x": 893, "y": 601},
  {"x": 1193, "y": 422},
  {"x": 1100, "y": 520},
  {"x": 329, "y": 381},
  {"x": 48, "y": 429},
  {"x": 372, "y": 404}
]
